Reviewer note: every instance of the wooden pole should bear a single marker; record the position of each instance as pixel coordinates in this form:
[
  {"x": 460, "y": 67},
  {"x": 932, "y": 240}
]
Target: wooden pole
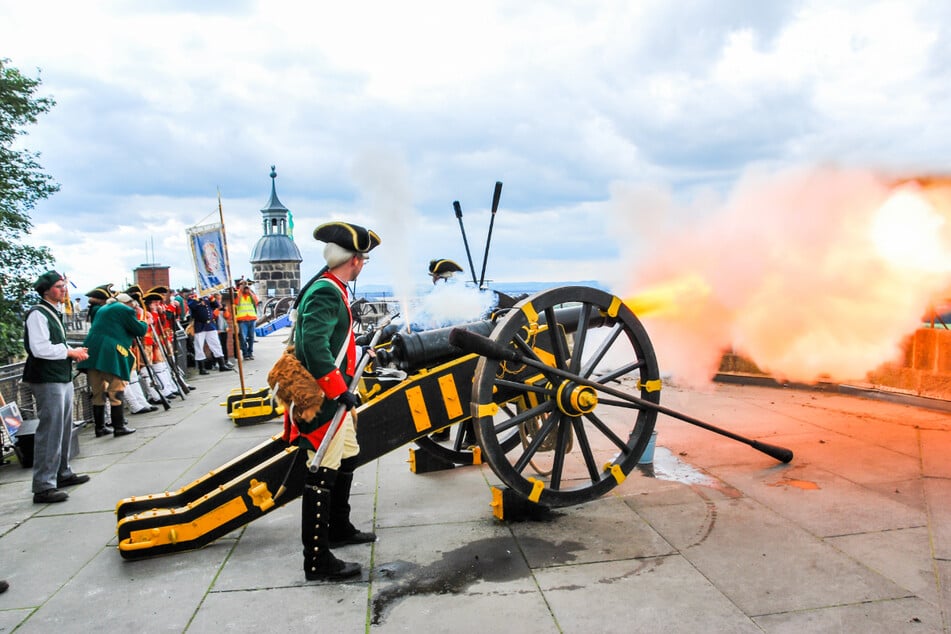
[{"x": 224, "y": 238}]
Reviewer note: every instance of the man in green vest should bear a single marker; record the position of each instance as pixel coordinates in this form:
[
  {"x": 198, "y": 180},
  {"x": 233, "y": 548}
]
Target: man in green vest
[
  {"x": 110, "y": 361},
  {"x": 246, "y": 314},
  {"x": 324, "y": 344},
  {"x": 49, "y": 372}
]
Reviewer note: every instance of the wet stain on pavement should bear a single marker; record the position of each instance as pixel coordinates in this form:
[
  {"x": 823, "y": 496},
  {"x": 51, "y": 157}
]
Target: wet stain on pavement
[
  {"x": 805, "y": 485},
  {"x": 496, "y": 559}
]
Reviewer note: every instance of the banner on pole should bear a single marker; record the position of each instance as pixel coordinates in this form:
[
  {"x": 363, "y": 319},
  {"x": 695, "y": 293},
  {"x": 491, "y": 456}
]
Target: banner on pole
[{"x": 210, "y": 258}]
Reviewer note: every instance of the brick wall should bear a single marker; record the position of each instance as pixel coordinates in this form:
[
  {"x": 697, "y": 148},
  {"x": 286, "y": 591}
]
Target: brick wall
[
  {"x": 151, "y": 276},
  {"x": 925, "y": 369}
]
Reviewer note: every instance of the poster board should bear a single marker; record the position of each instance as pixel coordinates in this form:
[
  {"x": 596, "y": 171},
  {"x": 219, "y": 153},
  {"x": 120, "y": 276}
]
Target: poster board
[{"x": 12, "y": 420}]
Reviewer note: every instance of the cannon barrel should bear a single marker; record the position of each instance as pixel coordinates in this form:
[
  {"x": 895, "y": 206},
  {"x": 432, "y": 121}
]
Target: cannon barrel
[{"x": 416, "y": 350}]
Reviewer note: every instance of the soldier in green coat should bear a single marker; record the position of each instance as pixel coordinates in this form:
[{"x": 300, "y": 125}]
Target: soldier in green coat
[
  {"x": 324, "y": 344},
  {"x": 110, "y": 361}
]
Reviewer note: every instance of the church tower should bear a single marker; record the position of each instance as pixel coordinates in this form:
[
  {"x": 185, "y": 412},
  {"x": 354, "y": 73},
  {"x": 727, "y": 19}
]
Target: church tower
[{"x": 275, "y": 261}]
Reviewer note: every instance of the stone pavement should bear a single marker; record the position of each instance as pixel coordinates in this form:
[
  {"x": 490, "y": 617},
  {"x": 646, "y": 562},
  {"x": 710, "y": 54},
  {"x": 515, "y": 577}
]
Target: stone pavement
[{"x": 854, "y": 535}]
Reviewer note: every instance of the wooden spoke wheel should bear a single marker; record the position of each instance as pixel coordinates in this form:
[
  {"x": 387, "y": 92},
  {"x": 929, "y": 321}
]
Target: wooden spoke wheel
[{"x": 587, "y": 439}]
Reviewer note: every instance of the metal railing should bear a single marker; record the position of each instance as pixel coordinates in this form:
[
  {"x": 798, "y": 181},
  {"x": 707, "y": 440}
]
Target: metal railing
[{"x": 15, "y": 390}]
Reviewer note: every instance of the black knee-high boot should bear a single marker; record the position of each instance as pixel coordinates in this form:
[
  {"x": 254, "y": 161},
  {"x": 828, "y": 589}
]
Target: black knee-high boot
[
  {"x": 118, "y": 421},
  {"x": 319, "y": 562},
  {"x": 99, "y": 419},
  {"x": 342, "y": 532}
]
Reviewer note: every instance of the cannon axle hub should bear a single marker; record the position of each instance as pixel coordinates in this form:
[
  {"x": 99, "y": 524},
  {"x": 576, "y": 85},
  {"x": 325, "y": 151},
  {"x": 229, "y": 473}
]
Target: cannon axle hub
[{"x": 574, "y": 399}]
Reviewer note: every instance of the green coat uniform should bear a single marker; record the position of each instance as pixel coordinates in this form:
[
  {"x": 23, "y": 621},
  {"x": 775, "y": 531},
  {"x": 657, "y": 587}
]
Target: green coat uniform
[
  {"x": 110, "y": 338},
  {"x": 322, "y": 328}
]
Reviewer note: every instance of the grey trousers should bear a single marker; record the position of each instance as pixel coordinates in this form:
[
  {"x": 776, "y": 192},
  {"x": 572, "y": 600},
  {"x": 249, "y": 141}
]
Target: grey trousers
[{"x": 54, "y": 408}]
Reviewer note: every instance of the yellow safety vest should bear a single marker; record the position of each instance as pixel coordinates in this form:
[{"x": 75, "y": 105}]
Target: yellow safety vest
[{"x": 245, "y": 309}]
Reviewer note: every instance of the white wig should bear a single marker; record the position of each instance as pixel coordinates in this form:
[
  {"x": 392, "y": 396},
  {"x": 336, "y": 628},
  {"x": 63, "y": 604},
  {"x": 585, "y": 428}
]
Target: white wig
[{"x": 335, "y": 255}]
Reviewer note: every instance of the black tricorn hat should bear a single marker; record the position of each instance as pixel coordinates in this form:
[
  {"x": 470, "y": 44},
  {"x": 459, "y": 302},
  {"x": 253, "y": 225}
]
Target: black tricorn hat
[
  {"x": 348, "y": 236},
  {"x": 99, "y": 293},
  {"x": 133, "y": 290},
  {"x": 152, "y": 296},
  {"x": 441, "y": 267},
  {"x": 107, "y": 288},
  {"x": 161, "y": 290}
]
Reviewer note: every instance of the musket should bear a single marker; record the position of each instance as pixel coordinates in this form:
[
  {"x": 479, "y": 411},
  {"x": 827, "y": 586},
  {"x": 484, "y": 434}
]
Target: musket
[
  {"x": 156, "y": 383},
  {"x": 181, "y": 389}
]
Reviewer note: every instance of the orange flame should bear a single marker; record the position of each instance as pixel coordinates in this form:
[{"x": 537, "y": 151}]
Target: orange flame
[
  {"x": 810, "y": 273},
  {"x": 671, "y": 298}
]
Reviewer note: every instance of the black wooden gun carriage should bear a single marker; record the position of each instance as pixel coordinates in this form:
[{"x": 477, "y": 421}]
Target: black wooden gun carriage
[{"x": 558, "y": 395}]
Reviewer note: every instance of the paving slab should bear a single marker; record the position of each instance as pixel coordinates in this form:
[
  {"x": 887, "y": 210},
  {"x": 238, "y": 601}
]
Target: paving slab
[
  {"x": 657, "y": 594},
  {"x": 898, "y": 615},
  {"x": 762, "y": 562},
  {"x": 901, "y": 555}
]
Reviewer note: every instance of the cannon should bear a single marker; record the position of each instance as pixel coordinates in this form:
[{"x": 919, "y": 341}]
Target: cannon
[{"x": 560, "y": 393}]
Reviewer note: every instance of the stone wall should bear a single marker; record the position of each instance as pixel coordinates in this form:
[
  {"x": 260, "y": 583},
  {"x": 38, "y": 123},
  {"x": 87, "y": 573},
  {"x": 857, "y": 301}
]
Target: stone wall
[
  {"x": 924, "y": 370},
  {"x": 276, "y": 279}
]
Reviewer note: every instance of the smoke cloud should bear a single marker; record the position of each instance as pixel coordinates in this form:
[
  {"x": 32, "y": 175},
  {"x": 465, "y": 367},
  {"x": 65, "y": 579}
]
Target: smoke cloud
[
  {"x": 383, "y": 179},
  {"x": 813, "y": 273}
]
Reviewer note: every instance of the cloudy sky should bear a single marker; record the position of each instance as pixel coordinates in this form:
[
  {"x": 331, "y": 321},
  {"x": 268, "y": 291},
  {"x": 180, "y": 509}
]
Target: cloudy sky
[{"x": 385, "y": 113}]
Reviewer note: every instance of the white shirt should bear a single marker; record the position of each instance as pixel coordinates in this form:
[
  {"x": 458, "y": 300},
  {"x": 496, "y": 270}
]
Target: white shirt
[{"x": 38, "y": 328}]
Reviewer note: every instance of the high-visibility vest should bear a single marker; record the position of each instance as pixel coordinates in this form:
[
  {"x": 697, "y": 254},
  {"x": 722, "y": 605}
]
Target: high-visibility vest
[{"x": 245, "y": 309}]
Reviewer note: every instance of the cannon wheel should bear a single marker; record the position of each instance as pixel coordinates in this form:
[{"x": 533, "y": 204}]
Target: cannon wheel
[{"x": 598, "y": 438}]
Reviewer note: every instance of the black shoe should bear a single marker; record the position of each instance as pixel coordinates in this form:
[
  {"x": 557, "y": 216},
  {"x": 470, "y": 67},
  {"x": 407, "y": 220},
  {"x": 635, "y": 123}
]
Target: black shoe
[
  {"x": 202, "y": 370},
  {"x": 226, "y": 368},
  {"x": 123, "y": 431},
  {"x": 103, "y": 431},
  {"x": 250, "y": 357},
  {"x": 333, "y": 570},
  {"x": 169, "y": 397},
  {"x": 357, "y": 537},
  {"x": 145, "y": 410},
  {"x": 4, "y": 586},
  {"x": 155, "y": 401},
  {"x": 50, "y": 496},
  {"x": 72, "y": 480}
]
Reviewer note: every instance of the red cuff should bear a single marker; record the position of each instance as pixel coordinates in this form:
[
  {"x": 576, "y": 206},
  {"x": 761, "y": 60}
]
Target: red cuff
[{"x": 332, "y": 384}]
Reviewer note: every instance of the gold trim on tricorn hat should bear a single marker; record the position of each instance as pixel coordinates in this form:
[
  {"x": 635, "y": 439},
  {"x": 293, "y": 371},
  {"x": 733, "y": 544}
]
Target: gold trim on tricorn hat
[
  {"x": 98, "y": 293},
  {"x": 349, "y": 236},
  {"x": 441, "y": 267}
]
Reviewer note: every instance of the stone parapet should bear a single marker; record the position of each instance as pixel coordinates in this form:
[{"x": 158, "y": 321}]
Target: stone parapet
[{"x": 924, "y": 368}]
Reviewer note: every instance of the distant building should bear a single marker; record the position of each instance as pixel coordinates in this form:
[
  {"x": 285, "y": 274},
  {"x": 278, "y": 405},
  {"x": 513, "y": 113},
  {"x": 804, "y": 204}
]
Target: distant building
[
  {"x": 275, "y": 261},
  {"x": 150, "y": 275}
]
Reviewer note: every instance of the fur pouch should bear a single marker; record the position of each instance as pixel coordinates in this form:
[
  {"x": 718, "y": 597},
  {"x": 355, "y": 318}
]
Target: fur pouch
[{"x": 294, "y": 387}]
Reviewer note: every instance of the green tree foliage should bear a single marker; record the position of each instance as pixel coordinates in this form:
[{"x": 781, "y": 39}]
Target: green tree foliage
[{"x": 22, "y": 185}]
